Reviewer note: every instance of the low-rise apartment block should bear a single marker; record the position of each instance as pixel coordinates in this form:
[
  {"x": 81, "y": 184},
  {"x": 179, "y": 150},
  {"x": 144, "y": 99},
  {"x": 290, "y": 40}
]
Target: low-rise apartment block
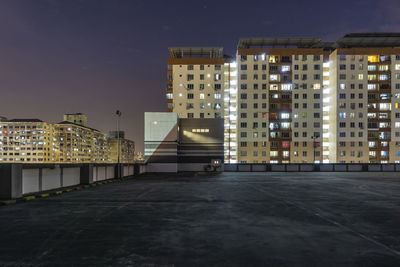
[{"x": 35, "y": 141}]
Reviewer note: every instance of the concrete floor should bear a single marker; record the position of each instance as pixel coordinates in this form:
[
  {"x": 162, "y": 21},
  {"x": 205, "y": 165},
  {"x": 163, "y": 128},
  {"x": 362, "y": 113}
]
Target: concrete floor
[{"x": 230, "y": 219}]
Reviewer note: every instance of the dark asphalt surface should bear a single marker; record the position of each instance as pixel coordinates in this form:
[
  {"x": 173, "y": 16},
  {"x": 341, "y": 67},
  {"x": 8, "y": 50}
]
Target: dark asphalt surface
[{"x": 229, "y": 219}]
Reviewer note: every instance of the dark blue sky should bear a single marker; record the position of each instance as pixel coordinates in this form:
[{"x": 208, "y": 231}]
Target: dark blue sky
[{"x": 96, "y": 56}]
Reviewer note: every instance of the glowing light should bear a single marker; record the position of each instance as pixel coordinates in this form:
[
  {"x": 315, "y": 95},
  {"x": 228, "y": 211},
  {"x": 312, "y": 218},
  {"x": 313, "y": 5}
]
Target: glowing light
[{"x": 326, "y": 64}]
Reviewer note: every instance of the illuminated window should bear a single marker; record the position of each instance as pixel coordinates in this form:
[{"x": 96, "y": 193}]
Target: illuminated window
[
  {"x": 200, "y": 130},
  {"x": 342, "y": 86},
  {"x": 372, "y": 67},
  {"x": 285, "y": 68},
  {"x": 273, "y": 77},
  {"x": 263, "y": 57},
  {"x": 317, "y": 86},
  {"x": 374, "y": 58},
  {"x": 273, "y": 87},
  {"x": 397, "y": 67},
  {"x": 360, "y": 76},
  {"x": 273, "y": 153},
  {"x": 384, "y": 106},
  {"x": 217, "y": 96},
  {"x": 383, "y": 77},
  {"x": 384, "y": 67},
  {"x": 286, "y": 87},
  {"x": 285, "y": 125},
  {"x": 201, "y": 96},
  {"x": 371, "y": 77},
  {"x": 371, "y": 86},
  {"x": 285, "y": 115},
  {"x": 273, "y": 59}
]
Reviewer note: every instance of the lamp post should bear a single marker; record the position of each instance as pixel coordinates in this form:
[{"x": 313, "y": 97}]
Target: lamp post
[
  {"x": 118, "y": 113},
  {"x": 314, "y": 142}
]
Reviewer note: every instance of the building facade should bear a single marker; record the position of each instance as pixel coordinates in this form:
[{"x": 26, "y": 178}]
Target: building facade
[
  {"x": 35, "y": 141},
  {"x": 297, "y": 100}
]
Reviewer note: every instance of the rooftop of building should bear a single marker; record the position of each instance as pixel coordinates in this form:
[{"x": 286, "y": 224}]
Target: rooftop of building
[
  {"x": 25, "y": 120},
  {"x": 74, "y": 113},
  {"x": 382, "y": 39},
  {"x": 190, "y": 52},
  {"x": 80, "y": 125},
  {"x": 279, "y": 42},
  {"x": 369, "y": 40}
]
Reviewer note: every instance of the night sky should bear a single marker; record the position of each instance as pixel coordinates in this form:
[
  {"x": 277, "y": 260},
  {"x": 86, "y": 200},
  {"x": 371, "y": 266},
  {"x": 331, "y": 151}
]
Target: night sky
[{"x": 96, "y": 56}]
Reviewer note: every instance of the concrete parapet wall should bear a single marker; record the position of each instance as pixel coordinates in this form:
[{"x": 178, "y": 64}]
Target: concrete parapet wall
[
  {"x": 278, "y": 167},
  {"x": 306, "y": 167},
  {"x": 326, "y": 167},
  {"x": 19, "y": 179},
  {"x": 299, "y": 167},
  {"x": 293, "y": 168}
]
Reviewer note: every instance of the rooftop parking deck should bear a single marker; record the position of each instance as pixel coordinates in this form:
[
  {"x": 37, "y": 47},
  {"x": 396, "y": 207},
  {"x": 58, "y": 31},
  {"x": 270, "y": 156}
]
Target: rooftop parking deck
[{"x": 228, "y": 219}]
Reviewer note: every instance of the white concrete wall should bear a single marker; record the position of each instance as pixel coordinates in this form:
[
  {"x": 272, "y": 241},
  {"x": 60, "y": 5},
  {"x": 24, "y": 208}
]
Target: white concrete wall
[
  {"x": 30, "y": 181},
  {"x": 110, "y": 172},
  {"x": 131, "y": 170},
  {"x": 101, "y": 173},
  {"x": 51, "y": 178},
  {"x": 95, "y": 173},
  {"x": 71, "y": 176}
]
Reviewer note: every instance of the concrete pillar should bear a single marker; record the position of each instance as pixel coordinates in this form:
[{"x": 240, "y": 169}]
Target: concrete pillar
[
  {"x": 118, "y": 171},
  {"x": 10, "y": 181},
  {"x": 86, "y": 176}
]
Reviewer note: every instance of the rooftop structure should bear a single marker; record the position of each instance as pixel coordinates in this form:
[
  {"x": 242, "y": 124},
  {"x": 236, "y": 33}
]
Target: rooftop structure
[{"x": 206, "y": 52}]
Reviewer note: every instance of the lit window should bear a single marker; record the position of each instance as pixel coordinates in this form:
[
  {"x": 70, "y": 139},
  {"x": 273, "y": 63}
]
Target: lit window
[
  {"x": 217, "y": 96},
  {"x": 373, "y": 59},
  {"x": 383, "y": 77},
  {"x": 317, "y": 86},
  {"x": 273, "y": 87},
  {"x": 384, "y": 106},
  {"x": 286, "y": 87},
  {"x": 360, "y": 76},
  {"x": 200, "y": 130},
  {"x": 263, "y": 57},
  {"x": 273, "y": 153},
  {"x": 273, "y": 77},
  {"x": 397, "y": 67},
  {"x": 383, "y": 67},
  {"x": 285, "y": 68},
  {"x": 285, "y": 115}
]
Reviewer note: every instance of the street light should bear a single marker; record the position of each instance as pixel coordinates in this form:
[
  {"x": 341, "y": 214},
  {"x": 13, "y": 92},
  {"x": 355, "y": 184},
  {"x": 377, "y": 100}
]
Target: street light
[{"x": 118, "y": 113}]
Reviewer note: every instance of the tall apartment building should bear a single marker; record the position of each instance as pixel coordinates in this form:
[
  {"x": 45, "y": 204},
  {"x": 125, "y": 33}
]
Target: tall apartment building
[
  {"x": 280, "y": 99},
  {"x": 296, "y": 99},
  {"x": 195, "y": 82},
  {"x": 364, "y": 96},
  {"x": 202, "y": 83}
]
